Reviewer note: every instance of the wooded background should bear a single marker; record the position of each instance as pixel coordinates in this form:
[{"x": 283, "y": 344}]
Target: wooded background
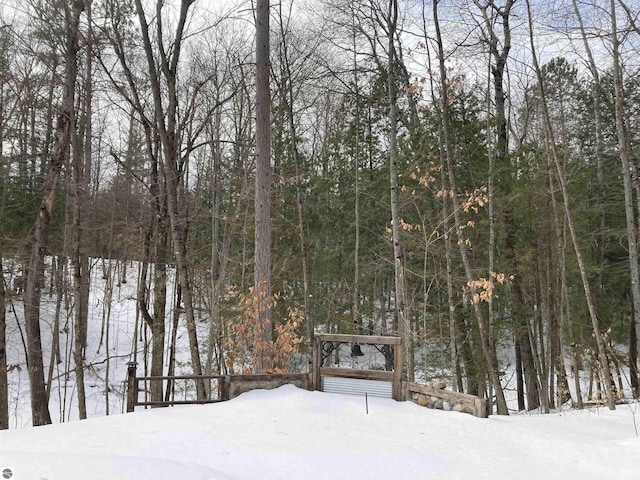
[{"x": 462, "y": 174}]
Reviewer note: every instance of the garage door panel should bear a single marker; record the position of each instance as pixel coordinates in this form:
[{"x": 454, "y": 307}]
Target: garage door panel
[{"x": 357, "y": 386}]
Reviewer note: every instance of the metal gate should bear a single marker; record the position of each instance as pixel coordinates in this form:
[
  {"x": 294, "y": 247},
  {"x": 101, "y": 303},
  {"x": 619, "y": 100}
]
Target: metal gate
[{"x": 357, "y": 386}]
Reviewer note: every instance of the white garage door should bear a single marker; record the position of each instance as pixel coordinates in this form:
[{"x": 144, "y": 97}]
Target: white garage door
[{"x": 357, "y": 386}]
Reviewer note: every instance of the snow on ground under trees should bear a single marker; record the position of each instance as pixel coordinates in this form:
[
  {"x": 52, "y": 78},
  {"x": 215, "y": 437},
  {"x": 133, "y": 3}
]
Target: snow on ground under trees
[
  {"x": 288, "y": 433},
  {"x": 280, "y": 434}
]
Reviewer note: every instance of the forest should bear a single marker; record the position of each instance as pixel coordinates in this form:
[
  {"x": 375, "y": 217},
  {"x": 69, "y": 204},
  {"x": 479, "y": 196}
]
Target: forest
[{"x": 459, "y": 173}]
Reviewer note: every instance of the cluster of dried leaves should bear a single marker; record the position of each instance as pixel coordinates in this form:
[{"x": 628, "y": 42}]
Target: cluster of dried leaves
[{"x": 243, "y": 342}]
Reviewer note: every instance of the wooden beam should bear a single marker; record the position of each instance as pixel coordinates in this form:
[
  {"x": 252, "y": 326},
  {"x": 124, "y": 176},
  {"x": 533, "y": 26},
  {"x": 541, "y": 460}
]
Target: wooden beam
[
  {"x": 180, "y": 377},
  {"x": 364, "y": 339},
  {"x": 256, "y": 377},
  {"x": 357, "y": 373}
]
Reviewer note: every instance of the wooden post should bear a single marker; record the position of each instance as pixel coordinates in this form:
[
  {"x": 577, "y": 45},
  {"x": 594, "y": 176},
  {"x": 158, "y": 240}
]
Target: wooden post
[
  {"x": 317, "y": 363},
  {"x": 398, "y": 391},
  {"x": 480, "y": 407},
  {"x": 225, "y": 388},
  {"x": 132, "y": 386}
]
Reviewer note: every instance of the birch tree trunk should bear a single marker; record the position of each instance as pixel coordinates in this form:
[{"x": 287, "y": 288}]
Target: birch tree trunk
[{"x": 404, "y": 328}]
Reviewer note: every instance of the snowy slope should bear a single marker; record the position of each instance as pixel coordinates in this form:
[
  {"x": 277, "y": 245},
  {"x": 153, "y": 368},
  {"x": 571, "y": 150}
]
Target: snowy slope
[{"x": 289, "y": 433}]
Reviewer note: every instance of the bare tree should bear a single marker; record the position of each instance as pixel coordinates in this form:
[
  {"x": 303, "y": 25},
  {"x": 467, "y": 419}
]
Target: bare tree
[
  {"x": 4, "y": 385},
  {"x": 499, "y": 45},
  {"x": 488, "y": 348},
  {"x": 80, "y": 174},
  {"x": 40, "y": 235},
  {"x": 599, "y": 152},
  {"x": 226, "y": 215},
  {"x": 404, "y": 327},
  {"x": 602, "y": 358},
  {"x": 287, "y": 94},
  {"x": 155, "y": 234},
  {"x": 163, "y": 71},
  {"x": 624, "y": 148}
]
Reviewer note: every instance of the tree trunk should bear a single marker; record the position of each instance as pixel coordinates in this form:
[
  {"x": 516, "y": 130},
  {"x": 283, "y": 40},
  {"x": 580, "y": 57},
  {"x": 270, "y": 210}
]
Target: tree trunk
[
  {"x": 499, "y": 51},
  {"x": 81, "y": 170},
  {"x": 262, "y": 262},
  {"x": 217, "y": 272},
  {"x": 166, "y": 122},
  {"x": 4, "y": 384},
  {"x": 57, "y": 271},
  {"x": 602, "y": 358},
  {"x": 600, "y": 188},
  {"x": 519, "y": 313},
  {"x": 404, "y": 328},
  {"x": 488, "y": 348},
  {"x": 357, "y": 319},
  {"x": 288, "y": 97},
  {"x": 633, "y": 360},
  {"x": 624, "y": 148},
  {"x": 172, "y": 343},
  {"x": 40, "y": 235}
]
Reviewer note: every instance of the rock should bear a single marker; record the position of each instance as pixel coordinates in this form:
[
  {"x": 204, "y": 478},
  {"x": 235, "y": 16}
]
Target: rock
[
  {"x": 439, "y": 385},
  {"x": 422, "y": 400}
]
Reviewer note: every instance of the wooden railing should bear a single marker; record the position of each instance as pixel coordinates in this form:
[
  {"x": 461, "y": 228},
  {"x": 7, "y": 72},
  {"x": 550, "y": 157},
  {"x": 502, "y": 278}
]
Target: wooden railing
[
  {"x": 431, "y": 397},
  {"x": 218, "y": 388}
]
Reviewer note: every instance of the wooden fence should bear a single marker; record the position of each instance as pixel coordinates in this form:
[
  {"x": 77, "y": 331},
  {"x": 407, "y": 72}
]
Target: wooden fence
[
  {"x": 219, "y": 388},
  {"x": 181, "y": 388}
]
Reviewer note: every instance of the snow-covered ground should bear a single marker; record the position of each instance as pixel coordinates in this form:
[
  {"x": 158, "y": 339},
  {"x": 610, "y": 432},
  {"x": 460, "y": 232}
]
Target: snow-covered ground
[
  {"x": 112, "y": 339},
  {"x": 278, "y": 434},
  {"x": 289, "y": 433}
]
